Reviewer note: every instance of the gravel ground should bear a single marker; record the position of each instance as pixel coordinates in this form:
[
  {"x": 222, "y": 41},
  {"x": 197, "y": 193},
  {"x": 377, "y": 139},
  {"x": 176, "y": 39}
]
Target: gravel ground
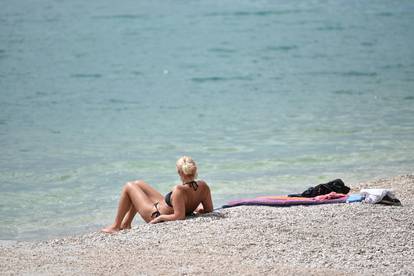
[{"x": 334, "y": 239}]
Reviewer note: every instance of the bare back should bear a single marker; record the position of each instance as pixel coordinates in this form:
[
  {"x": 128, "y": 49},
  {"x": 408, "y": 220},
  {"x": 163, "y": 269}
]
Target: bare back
[{"x": 185, "y": 199}]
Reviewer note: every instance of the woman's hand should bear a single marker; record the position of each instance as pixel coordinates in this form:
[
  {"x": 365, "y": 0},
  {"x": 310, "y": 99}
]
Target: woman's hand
[
  {"x": 163, "y": 218},
  {"x": 156, "y": 220},
  {"x": 200, "y": 209}
]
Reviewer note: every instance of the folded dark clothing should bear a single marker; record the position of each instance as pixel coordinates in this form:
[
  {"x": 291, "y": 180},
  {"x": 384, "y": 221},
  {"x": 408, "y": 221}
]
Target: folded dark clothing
[
  {"x": 390, "y": 201},
  {"x": 336, "y": 185}
]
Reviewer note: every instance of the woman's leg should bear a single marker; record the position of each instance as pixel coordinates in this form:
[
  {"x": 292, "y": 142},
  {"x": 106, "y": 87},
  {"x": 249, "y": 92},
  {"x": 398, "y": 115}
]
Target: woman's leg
[
  {"x": 153, "y": 194},
  {"x": 132, "y": 196},
  {"x": 129, "y": 217}
]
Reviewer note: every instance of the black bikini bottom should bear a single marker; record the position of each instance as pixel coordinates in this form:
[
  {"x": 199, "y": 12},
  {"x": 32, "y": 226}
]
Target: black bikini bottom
[{"x": 157, "y": 212}]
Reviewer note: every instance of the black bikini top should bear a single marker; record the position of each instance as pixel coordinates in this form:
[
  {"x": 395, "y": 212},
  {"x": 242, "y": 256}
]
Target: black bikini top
[
  {"x": 168, "y": 199},
  {"x": 192, "y": 184}
]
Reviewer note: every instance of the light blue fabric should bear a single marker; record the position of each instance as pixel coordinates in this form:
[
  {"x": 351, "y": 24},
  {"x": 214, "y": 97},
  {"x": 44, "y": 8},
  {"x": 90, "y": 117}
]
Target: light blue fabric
[{"x": 354, "y": 198}]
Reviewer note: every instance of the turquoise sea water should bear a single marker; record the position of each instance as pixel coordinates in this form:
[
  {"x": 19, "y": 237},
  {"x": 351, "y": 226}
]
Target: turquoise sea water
[{"x": 267, "y": 96}]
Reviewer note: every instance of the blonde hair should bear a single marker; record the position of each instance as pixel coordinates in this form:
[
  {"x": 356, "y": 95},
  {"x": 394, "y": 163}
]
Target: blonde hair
[{"x": 187, "y": 165}]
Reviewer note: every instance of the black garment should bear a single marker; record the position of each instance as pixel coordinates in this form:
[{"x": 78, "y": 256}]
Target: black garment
[
  {"x": 157, "y": 213},
  {"x": 167, "y": 197},
  {"x": 336, "y": 185},
  {"x": 390, "y": 201},
  {"x": 193, "y": 184}
]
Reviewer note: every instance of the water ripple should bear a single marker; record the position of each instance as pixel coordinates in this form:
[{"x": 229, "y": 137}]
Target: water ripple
[
  {"x": 368, "y": 43},
  {"x": 120, "y": 16},
  {"x": 255, "y": 13},
  {"x": 346, "y": 92},
  {"x": 81, "y": 76},
  {"x": 358, "y": 74},
  {"x": 222, "y": 50},
  {"x": 344, "y": 74},
  {"x": 331, "y": 27},
  {"x": 217, "y": 79},
  {"x": 386, "y": 14},
  {"x": 392, "y": 66},
  {"x": 282, "y": 48}
]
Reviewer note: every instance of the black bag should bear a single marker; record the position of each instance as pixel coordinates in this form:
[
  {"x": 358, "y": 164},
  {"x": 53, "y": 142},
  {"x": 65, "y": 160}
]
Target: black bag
[{"x": 336, "y": 185}]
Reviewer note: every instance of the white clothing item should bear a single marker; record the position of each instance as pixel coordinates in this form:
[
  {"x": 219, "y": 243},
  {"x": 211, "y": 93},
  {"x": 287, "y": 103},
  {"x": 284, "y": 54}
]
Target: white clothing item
[{"x": 376, "y": 195}]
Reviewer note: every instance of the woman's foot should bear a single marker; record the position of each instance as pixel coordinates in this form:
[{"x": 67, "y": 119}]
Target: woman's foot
[
  {"x": 125, "y": 226},
  {"x": 111, "y": 229}
]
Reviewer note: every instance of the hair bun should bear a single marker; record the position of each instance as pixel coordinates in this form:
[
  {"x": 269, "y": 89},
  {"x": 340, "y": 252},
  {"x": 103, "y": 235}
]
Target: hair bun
[{"x": 187, "y": 166}]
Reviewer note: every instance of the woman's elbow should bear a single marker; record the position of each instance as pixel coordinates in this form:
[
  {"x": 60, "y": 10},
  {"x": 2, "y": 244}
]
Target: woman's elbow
[{"x": 179, "y": 216}]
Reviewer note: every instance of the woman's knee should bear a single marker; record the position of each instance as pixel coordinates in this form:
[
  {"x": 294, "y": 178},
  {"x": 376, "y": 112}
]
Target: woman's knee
[
  {"x": 140, "y": 183},
  {"x": 134, "y": 184},
  {"x": 128, "y": 186}
]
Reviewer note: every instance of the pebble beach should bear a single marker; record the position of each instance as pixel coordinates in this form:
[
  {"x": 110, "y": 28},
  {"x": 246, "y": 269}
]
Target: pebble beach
[{"x": 332, "y": 239}]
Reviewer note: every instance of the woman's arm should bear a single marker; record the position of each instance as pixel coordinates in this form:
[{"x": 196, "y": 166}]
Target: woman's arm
[
  {"x": 179, "y": 208},
  {"x": 207, "y": 201},
  {"x": 206, "y": 205}
]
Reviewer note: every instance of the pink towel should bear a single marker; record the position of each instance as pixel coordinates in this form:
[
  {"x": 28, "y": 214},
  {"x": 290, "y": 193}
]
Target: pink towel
[{"x": 332, "y": 195}]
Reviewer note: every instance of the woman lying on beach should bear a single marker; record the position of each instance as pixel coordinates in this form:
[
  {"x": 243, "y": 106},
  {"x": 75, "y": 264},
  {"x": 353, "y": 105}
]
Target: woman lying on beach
[{"x": 184, "y": 199}]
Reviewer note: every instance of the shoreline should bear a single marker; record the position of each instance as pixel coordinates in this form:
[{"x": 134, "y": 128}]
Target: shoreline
[{"x": 334, "y": 239}]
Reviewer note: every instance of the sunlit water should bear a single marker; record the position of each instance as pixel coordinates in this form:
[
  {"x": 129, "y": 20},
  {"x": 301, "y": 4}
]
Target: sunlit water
[{"x": 269, "y": 97}]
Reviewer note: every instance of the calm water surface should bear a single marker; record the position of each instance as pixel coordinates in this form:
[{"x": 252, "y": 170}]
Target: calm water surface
[{"x": 268, "y": 96}]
